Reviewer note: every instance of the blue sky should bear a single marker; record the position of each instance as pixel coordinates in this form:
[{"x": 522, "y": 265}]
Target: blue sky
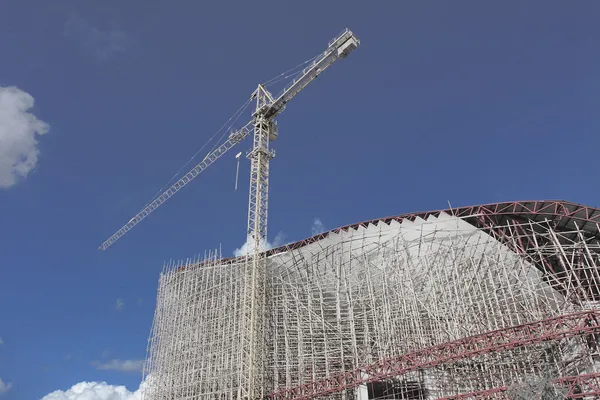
[{"x": 465, "y": 101}]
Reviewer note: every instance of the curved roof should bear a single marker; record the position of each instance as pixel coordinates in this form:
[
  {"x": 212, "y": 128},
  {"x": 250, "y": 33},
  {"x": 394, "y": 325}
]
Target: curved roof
[{"x": 560, "y": 214}]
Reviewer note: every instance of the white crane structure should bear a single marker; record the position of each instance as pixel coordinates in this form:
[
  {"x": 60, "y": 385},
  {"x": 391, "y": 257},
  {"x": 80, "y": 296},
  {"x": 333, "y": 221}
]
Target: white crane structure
[{"x": 264, "y": 130}]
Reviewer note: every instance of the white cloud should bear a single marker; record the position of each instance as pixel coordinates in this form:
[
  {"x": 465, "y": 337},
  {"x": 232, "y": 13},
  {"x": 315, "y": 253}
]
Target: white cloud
[
  {"x": 120, "y": 365},
  {"x": 96, "y": 391},
  {"x": 18, "y": 141},
  {"x": 1, "y": 341},
  {"x": 119, "y": 304},
  {"x": 317, "y": 227},
  {"x": 249, "y": 245},
  {"x": 4, "y": 387}
]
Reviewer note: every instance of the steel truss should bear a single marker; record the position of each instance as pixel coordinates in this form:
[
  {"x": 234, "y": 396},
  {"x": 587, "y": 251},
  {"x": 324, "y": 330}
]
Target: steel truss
[
  {"x": 582, "y": 323},
  {"x": 579, "y": 387},
  {"x": 252, "y": 362},
  {"x": 427, "y": 307},
  {"x": 571, "y": 215}
]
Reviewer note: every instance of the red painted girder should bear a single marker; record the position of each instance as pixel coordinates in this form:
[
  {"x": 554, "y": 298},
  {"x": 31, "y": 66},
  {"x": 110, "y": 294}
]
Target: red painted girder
[
  {"x": 503, "y": 339},
  {"x": 588, "y": 384}
]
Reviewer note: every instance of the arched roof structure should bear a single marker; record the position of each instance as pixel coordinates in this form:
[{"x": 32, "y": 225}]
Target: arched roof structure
[
  {"x": 560, "y": 214},
  {"x": 436, "y": 301}
]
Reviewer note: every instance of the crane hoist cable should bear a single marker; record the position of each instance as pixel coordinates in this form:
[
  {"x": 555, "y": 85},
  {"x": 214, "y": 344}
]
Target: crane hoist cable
[
  {"x": 225, "y": 127},
  {"x": 264, "y": 127}
]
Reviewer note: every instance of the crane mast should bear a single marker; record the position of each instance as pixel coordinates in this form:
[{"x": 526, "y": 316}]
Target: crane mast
[
  {"x": 265, "y": 130},
  {"x": 252, "y": 384}
]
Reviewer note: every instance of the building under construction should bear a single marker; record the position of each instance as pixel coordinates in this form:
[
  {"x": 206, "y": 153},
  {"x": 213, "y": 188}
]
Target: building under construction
[{"x": 454, "y": 304}]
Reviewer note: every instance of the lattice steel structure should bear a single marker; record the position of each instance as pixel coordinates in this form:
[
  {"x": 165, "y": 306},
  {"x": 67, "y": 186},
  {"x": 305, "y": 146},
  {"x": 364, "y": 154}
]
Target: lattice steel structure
[{"x": 458, "y": 303}]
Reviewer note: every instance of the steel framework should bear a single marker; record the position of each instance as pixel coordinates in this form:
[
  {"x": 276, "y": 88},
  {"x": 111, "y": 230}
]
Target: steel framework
[
  {"x": 584, "y": 323},
  {"x": 461, "y": 302},
  {"x": 578, "y": 387},
  {"x": 251, "y": 383}
]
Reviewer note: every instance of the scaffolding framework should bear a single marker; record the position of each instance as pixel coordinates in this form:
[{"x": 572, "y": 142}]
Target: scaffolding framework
[{"x": 438, "y": 305}]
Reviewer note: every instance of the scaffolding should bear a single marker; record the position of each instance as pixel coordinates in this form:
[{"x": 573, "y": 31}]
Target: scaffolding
[{"x": 428, "y": 307}]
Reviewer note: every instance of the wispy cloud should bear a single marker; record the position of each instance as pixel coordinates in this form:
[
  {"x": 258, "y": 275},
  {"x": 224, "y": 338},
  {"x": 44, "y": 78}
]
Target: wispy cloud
[
  {"x": 120, "y": 304},
  {"x": 249, "y": 245},
  {"x": 1, "y": 341},
  {"x": 18, "y": 135},
  {"x": 4, "y": 387},
  {"x": 317, "y": 227},
  {"x": 120, "y": 365},
  {"x": 102, "y": 44}
]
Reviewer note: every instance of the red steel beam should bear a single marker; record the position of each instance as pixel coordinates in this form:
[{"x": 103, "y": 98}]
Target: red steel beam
[
  {"x": 586, "y": 385},
  {"x": 578, "y": 386},
  {"x": 556, "y": 328}
]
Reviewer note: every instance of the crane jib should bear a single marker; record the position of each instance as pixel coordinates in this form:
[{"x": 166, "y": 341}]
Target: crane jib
[
  {"x": 339, "y": 47},
  {"x": 233, "y": 139}
]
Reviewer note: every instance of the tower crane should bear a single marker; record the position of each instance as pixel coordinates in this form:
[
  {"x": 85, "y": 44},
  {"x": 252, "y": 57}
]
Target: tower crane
[{"x": 265, "y": 130}]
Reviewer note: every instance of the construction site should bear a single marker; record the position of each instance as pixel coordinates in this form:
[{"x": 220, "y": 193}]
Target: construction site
[
  {"x": 452, "y": 304},
  {"x": 461, "y": 303}
]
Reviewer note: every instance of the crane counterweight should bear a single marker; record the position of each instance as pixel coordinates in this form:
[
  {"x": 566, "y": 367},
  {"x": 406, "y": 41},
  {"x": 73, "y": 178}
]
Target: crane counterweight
[
  {"x": 274, "y": 131},
  {"x": 347, "y": 47}
]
